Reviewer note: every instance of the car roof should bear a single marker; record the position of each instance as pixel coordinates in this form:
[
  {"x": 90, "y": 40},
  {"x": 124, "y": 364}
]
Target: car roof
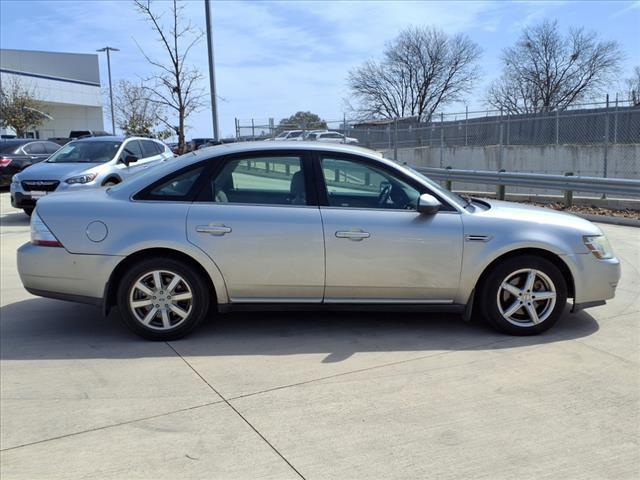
[
  {"x": 112, "y": 138},
  {"x": 19, "y": 141},
  {"x": 241, "y": 147}
]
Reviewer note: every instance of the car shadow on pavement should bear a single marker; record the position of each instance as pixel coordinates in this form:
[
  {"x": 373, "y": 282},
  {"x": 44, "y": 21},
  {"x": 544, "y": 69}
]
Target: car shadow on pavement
[
  {"x": 17, "y": 219},
  {"x": 50, "y": 329}
]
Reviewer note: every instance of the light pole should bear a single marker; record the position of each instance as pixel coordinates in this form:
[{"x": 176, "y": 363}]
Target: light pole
[
  {"x": 212, "y": 75},
  {"x": 110, "y": 49}
]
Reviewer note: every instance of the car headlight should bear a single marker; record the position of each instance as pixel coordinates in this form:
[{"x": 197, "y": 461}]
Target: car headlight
[
  {"x": 86, "y": 178},
  {"x": 599, "y": 246}
]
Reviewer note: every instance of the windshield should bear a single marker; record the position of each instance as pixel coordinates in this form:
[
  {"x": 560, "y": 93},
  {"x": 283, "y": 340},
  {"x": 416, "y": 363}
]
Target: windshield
[
  {"x": 453, "y": 197},
  {"x": 86, "y": 152}
]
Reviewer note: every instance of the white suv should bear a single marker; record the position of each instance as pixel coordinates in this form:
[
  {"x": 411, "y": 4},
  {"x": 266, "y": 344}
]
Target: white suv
[
  {"x": 332, "y": 137},
  {"x": 88, "y": 162}
]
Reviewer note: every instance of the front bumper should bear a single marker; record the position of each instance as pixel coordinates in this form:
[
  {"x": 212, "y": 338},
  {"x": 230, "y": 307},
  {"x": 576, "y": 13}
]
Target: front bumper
[
  {"x": 594, "y": 280},
  {"x": 55, "y": 273},
  {"x": 22, "y": 200}
]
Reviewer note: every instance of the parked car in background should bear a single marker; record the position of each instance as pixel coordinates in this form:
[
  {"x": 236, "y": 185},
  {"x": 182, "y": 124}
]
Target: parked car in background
[
  {"x": 18, "y": 154},
  {"x": 290, "y": 135},
  {"x": 308, "y": 225},
  {"x": 332, "y": 137},
  {"x": 76, "y": 134},
  {"x": 313, "y": 132},
  {"x": 89, "y": 162},
  {"x": 195, "y": 143}
]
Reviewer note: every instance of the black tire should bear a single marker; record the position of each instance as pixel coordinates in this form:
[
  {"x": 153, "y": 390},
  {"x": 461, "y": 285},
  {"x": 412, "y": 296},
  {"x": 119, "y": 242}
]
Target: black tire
[
  {"x": 193, "y": 281},
  {"x": 28, "y": 211},
  {"x": 490, "y": 303}
]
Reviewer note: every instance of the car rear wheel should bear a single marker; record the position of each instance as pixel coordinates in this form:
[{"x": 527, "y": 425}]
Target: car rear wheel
[
  {"x": 162, "y": 299},
  {"x": 523, "y": 295}
]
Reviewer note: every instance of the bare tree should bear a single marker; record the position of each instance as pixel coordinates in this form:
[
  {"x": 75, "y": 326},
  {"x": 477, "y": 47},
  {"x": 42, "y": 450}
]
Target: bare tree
[
  {"x": 175, "y": 86},
  {"x": 546, "y": 71},
  {"x": 421, "y": 70},
  {"x": 633, "y": 86},
  {"x": 136, "y": 113},
  {"x": 20, "y": 108}
]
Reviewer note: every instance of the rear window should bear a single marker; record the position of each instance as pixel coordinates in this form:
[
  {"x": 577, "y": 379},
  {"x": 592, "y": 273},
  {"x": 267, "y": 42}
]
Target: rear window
[
  {"x": 10, "y": 147},
  {"x": 176, "y": 186}
]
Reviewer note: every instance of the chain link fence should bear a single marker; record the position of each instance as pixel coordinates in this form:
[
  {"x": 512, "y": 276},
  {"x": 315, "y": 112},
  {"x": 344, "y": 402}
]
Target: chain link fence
[{"x": 599, "y": 139}]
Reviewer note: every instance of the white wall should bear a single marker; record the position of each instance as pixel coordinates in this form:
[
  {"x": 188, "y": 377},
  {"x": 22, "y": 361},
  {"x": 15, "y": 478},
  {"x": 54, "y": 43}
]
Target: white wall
[
  {"x": 73, "y": 106},
  {"x": 623, "y": 160}
]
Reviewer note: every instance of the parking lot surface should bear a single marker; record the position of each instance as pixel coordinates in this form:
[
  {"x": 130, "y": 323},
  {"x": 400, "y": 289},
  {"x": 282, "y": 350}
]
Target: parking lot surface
[{"x": 317, "y": 396}]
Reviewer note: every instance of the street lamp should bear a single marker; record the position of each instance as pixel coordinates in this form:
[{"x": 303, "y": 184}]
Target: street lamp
[
  {"x": 212, "y": 74},
  {"x": 110, "y": 49}
]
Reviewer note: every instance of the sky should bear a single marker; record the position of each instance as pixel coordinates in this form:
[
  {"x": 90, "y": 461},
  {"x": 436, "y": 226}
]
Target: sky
[{"x": 274, "y": 58}]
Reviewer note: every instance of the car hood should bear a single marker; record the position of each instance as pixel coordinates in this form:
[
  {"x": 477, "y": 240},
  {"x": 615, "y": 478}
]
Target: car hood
[
  {"x": 542, "y": 217},
  {"x": 54, "y": 171}
]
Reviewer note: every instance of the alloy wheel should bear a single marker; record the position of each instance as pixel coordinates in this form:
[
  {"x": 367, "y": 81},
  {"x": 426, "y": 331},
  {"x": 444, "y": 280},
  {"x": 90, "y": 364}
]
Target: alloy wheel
[
  {"x": 161, "y": 299},
  {"x": 526, "y": 297}
]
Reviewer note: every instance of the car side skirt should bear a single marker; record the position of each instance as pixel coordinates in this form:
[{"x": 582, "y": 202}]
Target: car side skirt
[{"x": 342, "y": 307}]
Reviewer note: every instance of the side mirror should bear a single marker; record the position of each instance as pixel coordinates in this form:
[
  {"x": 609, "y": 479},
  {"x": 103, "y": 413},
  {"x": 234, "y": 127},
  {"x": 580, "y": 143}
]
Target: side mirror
[
  {"x": 129, "y": 159},
  {"x": 428, "y": 204}
]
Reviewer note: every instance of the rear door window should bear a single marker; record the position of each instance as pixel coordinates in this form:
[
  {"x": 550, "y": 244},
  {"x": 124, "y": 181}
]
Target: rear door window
[
  {"x": 35, "y": 148},
  {"x": 149, "y": 148},
  {"x": 261, "y": 180}
]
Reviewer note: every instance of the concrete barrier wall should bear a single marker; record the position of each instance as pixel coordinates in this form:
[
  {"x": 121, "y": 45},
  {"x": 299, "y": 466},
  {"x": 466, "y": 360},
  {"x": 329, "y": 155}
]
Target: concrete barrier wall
[{"x": 623, "y": 161}]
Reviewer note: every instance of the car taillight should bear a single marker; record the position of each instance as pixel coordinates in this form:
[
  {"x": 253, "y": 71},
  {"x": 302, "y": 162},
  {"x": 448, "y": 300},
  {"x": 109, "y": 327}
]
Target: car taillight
[
  {"x": 4, "y": 161},
  {"x": 40, "y": 233}
]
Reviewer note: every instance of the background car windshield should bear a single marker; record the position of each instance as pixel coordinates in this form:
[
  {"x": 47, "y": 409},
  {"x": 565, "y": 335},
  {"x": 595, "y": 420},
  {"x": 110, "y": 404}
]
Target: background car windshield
[{"x": 86, "y": 152}]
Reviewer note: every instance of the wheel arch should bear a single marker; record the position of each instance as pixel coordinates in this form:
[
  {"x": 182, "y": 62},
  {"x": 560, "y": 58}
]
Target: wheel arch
[
  {"x": 539, "y": 252},
  {"x": 110, "y": 177},
  {"x": 112, "y": 285}
]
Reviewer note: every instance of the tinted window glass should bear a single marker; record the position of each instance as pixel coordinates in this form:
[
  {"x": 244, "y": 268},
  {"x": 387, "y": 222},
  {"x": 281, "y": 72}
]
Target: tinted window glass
[
  {"x": 132, "y": 148},
  {"x": 35, "y": 148},
  {"x": 51, "y": 147},
  {"x": 260, "y": 180},
  {"x": 86, "y": 152},
  {"x": 10, "y": 147},
  {"x": 176, "y": 187},
  {"x": 357, "y": 185},
  {"x": 149, "y": 148}
]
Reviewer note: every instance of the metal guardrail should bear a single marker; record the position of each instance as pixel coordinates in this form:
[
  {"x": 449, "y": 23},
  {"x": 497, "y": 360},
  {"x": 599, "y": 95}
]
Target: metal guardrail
[{"x": 567, "y": 183}]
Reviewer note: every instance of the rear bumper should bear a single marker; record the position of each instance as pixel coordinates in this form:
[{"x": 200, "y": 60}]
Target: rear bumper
[{"x": 55, "y": 273}]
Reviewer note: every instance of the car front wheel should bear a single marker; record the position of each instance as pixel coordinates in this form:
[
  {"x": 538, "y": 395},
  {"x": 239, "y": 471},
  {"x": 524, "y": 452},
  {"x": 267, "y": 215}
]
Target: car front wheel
[
  {"x": 162, "y": 299},
  {"x": 523, "y": 295}
]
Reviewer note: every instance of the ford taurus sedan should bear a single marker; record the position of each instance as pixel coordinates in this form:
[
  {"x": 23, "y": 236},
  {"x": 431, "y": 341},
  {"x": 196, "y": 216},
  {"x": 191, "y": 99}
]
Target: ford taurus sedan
[{"x": 305, "y": 225}]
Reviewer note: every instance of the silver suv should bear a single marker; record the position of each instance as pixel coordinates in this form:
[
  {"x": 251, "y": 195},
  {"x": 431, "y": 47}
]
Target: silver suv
[{"x": 88, "y": 162}]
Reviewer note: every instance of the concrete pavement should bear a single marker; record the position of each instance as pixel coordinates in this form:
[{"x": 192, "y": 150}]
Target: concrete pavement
[{"x": 317, "y": 395}]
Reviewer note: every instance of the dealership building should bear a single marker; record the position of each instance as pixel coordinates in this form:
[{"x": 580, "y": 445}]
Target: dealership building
[{"x": 66, "y": 84}]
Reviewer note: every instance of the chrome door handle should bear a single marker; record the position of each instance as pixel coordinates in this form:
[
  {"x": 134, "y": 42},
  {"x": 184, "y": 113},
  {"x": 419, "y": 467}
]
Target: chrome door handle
[
  {"x": 353, "y": 235},
  {"x": 218, "y": 230}
]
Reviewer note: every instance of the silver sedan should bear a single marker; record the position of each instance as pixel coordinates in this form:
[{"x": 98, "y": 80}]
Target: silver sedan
[{"x": 305, "y": 225}]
